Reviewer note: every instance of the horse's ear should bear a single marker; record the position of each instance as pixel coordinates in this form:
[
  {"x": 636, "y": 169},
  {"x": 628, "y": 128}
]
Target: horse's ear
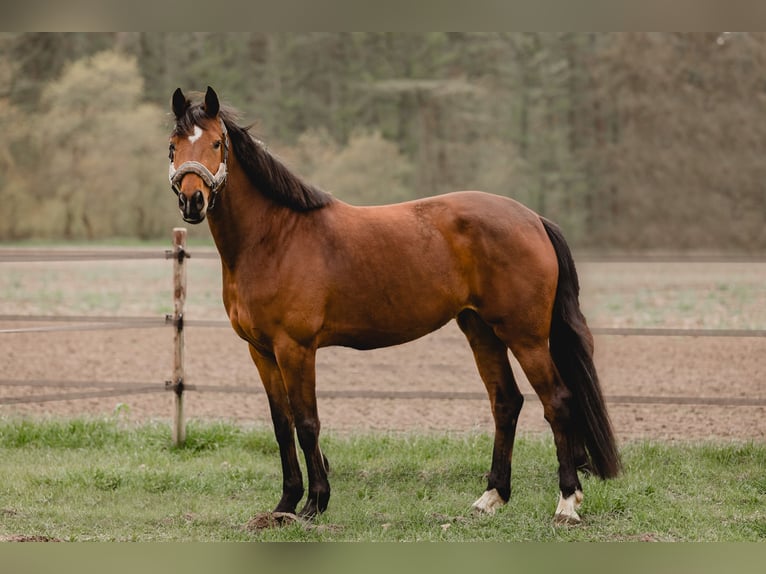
[
  {"x": 180, "y": 103},
  {"x": 212, "y": 105}
]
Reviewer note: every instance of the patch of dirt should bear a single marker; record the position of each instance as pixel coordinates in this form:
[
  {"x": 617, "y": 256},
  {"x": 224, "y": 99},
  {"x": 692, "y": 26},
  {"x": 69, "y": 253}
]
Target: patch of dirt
[
  {"x": 643, "y": 366},
  {"x": 265, "y": 520},
  {"x": 25, "y": 538}
]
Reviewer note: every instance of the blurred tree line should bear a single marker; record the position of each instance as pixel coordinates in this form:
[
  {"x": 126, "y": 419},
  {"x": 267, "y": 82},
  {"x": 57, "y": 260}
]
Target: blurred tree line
[{"x": 628, "y": 140}]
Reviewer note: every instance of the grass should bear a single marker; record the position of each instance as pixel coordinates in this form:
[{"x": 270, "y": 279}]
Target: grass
[{"x": 83, "y": 480}]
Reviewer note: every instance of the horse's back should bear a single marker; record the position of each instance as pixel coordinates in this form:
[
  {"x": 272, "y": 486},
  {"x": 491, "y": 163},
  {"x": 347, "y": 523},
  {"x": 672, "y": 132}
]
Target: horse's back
[
  {"x": 399, "y": 271},
  {"x": 489, "y": 220}
]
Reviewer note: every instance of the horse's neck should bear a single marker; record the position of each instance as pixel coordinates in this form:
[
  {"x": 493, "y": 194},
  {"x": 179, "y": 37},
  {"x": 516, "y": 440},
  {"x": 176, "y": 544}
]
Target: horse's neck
[{"x": 243, "y": 217}]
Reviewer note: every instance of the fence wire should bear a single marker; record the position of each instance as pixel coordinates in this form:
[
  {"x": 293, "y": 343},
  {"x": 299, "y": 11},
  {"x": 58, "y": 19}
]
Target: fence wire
[
  {"x": 29, "y": 255},
  {"x": 673, "y": 332},
  {"x": 32, "y": 255},
  {"x": 95, "y": 394},
  {"x": 88, "y": 323},
  {"x": 132, "y": 388},
  {"x": 79, "y": 323},
  {"x": 477, "y": 395},
  {"x": 92, "y": 323}
]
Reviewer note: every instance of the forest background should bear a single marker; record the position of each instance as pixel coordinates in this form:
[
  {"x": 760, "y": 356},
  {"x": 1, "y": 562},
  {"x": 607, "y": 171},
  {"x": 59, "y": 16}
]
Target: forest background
[{"x": 631, "y": 141}]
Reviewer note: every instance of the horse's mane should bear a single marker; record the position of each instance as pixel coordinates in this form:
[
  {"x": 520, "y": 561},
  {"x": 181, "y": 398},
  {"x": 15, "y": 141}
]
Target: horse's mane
[{"x": 266, "y": 172}]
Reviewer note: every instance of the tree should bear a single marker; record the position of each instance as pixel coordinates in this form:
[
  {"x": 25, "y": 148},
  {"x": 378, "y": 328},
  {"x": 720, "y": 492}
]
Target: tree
[
  {"x": 370, "y": 170},
  {"x": 627, "y": 140},
  {"x": 39, "y": 57},
  {"x": 679, "y": 148},
  {"x": 101, "y": 151}
]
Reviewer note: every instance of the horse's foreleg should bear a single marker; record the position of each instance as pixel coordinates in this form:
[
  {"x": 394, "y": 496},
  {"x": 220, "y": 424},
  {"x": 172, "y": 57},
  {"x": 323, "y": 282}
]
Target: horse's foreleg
[
  {"x": 284, "y": 429},
  {"x": 491, "y": 356},
  {"x": 297, "y": 365}
]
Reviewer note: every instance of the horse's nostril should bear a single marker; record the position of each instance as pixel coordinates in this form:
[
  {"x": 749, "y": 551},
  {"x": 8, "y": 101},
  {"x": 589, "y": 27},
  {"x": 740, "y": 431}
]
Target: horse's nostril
[
  {"x": 181, "y": 200},
  {"x": 199, "y": 200}
]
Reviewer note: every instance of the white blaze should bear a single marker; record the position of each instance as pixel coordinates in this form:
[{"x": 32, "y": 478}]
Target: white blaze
[{"x": 196, "y": 135}]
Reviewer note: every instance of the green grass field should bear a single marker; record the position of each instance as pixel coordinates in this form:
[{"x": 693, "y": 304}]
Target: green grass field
[{"x": 100, "y": 480}]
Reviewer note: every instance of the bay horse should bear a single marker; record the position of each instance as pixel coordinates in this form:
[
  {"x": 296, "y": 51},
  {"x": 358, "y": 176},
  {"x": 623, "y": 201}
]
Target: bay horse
[{"x": 303, "y": 270}]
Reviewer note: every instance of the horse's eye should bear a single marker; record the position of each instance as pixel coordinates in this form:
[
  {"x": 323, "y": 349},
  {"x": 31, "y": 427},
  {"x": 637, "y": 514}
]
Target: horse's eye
[
  {"x": 217, "y": 144},
  {"x": 171, "y": 151}
]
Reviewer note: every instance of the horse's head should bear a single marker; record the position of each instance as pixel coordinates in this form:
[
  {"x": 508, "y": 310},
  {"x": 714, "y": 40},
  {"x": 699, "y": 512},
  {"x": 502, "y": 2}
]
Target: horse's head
[{"x": 199, "y": 147}]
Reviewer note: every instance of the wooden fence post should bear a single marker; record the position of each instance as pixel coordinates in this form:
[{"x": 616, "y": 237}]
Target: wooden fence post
[{"x": 179, "y": 300}]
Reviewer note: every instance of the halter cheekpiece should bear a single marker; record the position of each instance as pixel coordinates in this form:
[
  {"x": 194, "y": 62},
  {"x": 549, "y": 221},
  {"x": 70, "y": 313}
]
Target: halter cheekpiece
[{"x": 214, "y": 182}]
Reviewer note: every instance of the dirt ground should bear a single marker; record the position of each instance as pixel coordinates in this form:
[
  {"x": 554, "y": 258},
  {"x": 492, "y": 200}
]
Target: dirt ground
[{"x": 643, "y": 366}]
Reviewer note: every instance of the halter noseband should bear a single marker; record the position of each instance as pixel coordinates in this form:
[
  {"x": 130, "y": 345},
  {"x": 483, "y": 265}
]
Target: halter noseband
[{"x": 214, "y": 182}]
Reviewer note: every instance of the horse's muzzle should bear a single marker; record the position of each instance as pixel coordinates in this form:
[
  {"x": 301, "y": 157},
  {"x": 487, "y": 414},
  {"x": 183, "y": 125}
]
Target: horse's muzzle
[{"x": 192, "y": 208}]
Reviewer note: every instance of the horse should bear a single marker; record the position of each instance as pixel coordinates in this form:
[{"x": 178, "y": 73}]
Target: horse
[{"x": 302, "y": 269}]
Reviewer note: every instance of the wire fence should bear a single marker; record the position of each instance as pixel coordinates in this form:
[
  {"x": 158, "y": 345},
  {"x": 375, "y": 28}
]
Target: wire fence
[
  {"x": 100, "y": 389},
  {"x": 90, "y": 323},
  {"x": 34, "y": 255},
  {"x": 133, "y": 388},
  {"x": 30, "y": 255}
]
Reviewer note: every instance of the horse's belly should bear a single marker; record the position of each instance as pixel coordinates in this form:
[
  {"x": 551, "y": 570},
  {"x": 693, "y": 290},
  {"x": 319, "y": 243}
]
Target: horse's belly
[
  {"x": 382, "y": 324},
  {"x": 365, "y": 339}
]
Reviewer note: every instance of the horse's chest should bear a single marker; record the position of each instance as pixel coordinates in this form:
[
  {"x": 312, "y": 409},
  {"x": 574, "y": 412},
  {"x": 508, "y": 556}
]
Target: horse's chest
[{"x": 247, "y": 316}]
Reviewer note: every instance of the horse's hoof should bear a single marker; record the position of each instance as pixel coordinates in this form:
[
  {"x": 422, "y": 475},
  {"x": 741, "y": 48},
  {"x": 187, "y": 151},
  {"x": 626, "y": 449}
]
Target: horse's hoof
[
  {"x": 567, "y": 519},
  {"x": 308, "y": 513},
  {"x": 265, "y": 520},
  {"x": 312, "y": 509},
  {"x": 489, "y": 502},
  {"x": 566, "y": 511}
]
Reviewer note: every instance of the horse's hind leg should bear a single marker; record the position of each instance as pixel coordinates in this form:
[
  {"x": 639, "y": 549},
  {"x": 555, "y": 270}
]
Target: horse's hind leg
[
  {"x": 536, "y": 360},
  {"x": 491, "y": 356}
]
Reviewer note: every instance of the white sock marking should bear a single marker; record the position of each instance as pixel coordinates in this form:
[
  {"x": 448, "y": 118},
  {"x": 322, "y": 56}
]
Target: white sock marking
[
  {"x": 196, "y": 135},
  {"x": 489, "y": 502},
  {"x": 566, "y": 511}
]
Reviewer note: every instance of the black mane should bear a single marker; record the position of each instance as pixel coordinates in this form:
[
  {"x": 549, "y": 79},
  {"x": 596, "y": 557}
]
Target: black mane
[{"x": 266, "y": 172}]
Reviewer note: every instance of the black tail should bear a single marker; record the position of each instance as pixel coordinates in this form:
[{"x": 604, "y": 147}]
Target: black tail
[{"x": 571, "y": 345}]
